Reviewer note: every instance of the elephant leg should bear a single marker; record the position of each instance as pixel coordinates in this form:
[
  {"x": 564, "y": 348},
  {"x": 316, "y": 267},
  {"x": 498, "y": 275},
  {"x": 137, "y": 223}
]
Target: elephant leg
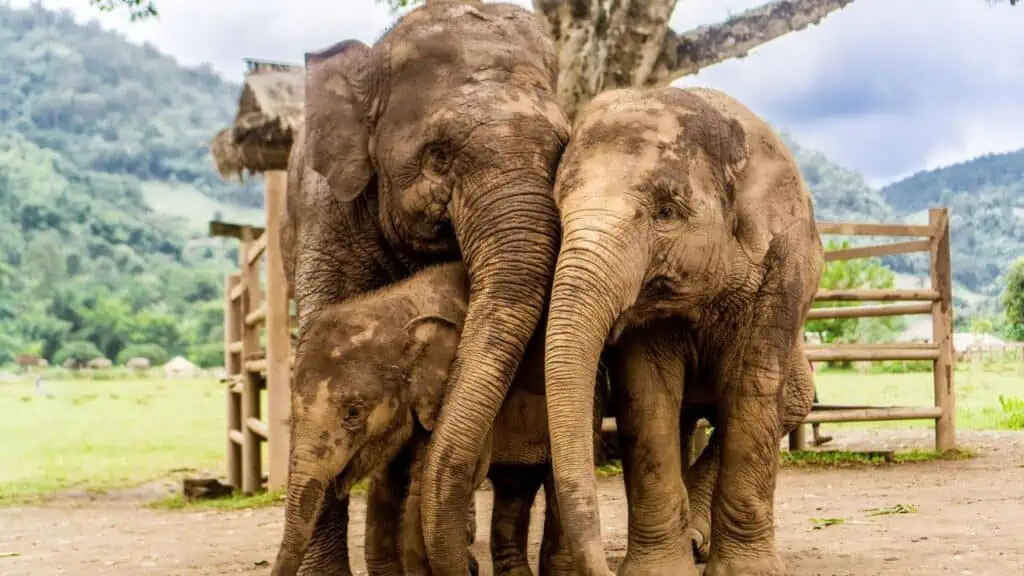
[
  {"x": 555, "y": 556},
  {"x": 384, "y": 506},
  {"x": 515, "y": 487},
  {"x": 743, "y": 509},
  {"x": 414, "y": 547},
  {"x": 648, "y": 384},
  {"x": 700, "y": 479},
  {"x": 327, "y": 552}
]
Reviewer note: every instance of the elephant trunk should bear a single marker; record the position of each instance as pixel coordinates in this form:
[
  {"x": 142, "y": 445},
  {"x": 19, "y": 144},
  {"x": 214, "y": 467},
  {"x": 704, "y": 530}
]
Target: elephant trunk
[
  {"x": 307, "y": 490},
  {"x": 507, "y": 228},
  {"x": 594, "y": 283}
]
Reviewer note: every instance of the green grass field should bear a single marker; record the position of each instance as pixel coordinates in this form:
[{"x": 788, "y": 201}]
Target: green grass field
[{"x": 97, "y": 435}]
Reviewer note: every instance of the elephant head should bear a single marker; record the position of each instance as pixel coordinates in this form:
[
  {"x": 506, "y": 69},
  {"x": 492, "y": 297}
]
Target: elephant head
[
  {"x": 372, "y": 371},
  {"x": 446, "y": 134},
  {"x": 674, "y": 203}
]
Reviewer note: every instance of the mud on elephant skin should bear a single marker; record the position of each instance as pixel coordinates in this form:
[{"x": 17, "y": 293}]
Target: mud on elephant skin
[
  {"x": 438, "y": 143},
  {"x": 367, "y": 398},
  {"x": 688, "y": 246}
]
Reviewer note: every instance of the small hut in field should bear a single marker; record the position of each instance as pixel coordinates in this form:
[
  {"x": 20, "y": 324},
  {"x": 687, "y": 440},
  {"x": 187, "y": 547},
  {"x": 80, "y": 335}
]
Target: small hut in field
[{"x": 269, "y": 112}]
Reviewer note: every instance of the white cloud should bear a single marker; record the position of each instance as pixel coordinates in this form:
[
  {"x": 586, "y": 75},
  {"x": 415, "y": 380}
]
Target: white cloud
[{"x": 883, "y": 87}]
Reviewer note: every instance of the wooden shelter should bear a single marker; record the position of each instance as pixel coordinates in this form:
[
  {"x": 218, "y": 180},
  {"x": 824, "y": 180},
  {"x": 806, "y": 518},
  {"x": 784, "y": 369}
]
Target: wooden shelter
[
  {"x": 259, "y": 142},
  {"x": 269, "y": 112}
]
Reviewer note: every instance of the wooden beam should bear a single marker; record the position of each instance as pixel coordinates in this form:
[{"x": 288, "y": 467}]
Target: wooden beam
[
  {"x": 231, "y": 229},
  {"x": 258, "y": 247},
  {"x": 252, "y": 458},
  {"x": 864, "y": 229},
  {"x": 879, "y": 250},
  {"x": 233, "y": 367},
  {"x": 873, "y": 346},
  {"x": 256, "y": 366},
  {"x": 235, "y": 347},
  {"x": 870, "y": 311},
  {"x": 235, "y": 437},
  {"x": 278, "y": 326},
  {"x": 942, "y": 331},
  {"x": 875, "y": 295},
  {"x": 258, "y": 427},
  {"x": 874, "y": 414},
  {"x": 854, "y": 354},
  {"x": 255, "y": 318},
  {"x": 237, "y": 292}
]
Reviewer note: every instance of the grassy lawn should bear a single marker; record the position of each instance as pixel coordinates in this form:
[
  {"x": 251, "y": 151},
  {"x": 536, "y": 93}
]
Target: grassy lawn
[
  {"x": 977, "y": 393},
  {"x": 106, "y": 434},
  {"x": 102, "y": 434}
]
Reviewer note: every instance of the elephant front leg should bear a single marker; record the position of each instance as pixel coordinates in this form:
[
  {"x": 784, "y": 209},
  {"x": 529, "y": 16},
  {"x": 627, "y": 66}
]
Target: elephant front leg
[
  {"x": 742, "y": 511},
  {"x": 649, "y": 396},
  {"x": 384, "y": 505},
  {"x": 515, "y": 488}
]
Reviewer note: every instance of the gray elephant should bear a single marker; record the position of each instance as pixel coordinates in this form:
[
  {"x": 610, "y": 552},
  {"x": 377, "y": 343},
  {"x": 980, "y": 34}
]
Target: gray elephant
[
  {"x": 688, "y": 246},
  {"x": 438, "y": 143},
  {"x": 367, "y": 397}
]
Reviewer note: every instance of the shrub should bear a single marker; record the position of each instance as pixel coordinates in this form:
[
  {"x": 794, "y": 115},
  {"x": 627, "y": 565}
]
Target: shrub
[
  {"x": 81, "y": 350},
  {"x": 152, "y": 352}
]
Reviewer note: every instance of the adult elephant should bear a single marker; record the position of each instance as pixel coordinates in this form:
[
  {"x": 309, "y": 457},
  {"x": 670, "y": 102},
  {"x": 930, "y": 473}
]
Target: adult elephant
[
  {"x": 685, "y": 215},
  {"x": 439, "y": 142}
]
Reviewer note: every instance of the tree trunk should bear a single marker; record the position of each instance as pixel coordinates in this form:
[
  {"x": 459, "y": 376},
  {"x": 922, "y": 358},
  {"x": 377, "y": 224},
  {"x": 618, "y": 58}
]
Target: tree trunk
[{"x": 607, "y": 44}]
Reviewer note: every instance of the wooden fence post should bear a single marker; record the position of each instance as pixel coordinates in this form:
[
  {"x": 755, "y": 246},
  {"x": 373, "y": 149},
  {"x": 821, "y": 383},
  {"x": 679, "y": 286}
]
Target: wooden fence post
[
  {"x": 232, "y": 367},
  {"x": 278, "y": 325},
  {"x": 942, "y": 329},
  {"x": 252, "y": 474}
]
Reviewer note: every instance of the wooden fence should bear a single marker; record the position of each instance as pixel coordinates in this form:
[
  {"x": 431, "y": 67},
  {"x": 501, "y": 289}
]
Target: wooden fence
[
  {"x": 937, "y": 301},
  {"x": 252, "y": 366}
]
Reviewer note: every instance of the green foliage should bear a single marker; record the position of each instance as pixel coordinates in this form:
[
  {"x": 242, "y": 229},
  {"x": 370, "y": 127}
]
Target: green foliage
[
  {"x": 1013, "y": 301},
  {"x": 81, "y": 351},
  {"x": 848, "y": 275},
  {"x": 152, "y": 352},
  {"x": 94, "y": 131},
  {"x": 137, "y": 9},
  {"x": 1012, "y": 413}
]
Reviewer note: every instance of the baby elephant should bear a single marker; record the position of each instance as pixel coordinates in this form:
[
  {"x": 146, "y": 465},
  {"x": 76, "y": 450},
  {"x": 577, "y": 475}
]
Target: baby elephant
[{"x": 376, "y": 367}]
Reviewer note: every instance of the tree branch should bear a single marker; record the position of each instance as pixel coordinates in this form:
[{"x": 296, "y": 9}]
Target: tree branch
[{"x": 702, "y": 47}]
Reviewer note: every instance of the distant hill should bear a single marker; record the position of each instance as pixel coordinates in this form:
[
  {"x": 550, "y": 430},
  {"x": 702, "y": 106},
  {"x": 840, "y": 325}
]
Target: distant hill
[
  {"x": 926, "y": 188},
  {"x": 106, "y": 186}
]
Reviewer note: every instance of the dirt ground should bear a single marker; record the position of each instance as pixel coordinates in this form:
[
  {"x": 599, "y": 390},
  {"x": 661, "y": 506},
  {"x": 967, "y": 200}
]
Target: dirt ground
[{"x": 969, "y": 520}]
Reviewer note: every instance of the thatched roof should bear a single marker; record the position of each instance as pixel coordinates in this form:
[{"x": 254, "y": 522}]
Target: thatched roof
[{"x": 269, "y": 111}]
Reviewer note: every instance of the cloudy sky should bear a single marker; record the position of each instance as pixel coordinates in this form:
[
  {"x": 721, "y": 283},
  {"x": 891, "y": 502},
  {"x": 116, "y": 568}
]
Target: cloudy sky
[{"x": 883, "y": 87}]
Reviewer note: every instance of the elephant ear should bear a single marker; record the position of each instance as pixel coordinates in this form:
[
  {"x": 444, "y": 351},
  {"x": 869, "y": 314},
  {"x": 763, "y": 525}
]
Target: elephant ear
[
  {"x": 337, "y": 120},
  {"x": 430, "y": 357}
]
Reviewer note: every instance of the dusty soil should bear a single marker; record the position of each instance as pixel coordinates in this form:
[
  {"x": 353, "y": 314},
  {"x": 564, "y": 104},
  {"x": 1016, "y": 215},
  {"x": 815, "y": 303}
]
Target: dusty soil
[{"x": 969, "y": 520}]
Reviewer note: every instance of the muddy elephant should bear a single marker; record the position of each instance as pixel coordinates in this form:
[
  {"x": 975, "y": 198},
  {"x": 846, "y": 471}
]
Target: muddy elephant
[
  {"x": 689, "y": 248},
  {"x": 366, "y": 398},
  {"x": 438, "y": 143}
]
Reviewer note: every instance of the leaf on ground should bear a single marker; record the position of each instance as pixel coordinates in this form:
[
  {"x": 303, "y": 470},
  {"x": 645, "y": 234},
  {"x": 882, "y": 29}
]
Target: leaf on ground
[
  {"x": 9, "y": 554},
  {"x": 892, "y": 510},
  {"x": 261, "y": 563},
  {"x": 820, "y": 523}
]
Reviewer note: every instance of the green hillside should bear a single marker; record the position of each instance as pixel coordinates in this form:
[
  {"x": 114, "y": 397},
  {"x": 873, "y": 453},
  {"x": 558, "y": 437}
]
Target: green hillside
[{"x": 106, "y": 186}]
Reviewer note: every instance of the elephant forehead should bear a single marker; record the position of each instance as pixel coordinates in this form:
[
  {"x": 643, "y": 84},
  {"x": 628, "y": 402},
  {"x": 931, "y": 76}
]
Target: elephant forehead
[{"x": 315, "y": 399}]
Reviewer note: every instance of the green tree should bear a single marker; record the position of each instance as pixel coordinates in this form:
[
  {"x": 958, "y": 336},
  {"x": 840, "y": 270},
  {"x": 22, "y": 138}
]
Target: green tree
[
  {"x": 854, "y": 274},
  {"x": 152, "y": 352},
  {"x": 1013, "y": 300},
  {"x": 81, "y": 350}
]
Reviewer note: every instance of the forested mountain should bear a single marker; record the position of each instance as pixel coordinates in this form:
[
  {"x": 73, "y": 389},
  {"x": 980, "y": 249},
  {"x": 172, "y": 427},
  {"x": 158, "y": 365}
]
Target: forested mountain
[
  {"x": 106, "y": 185},
  {"x": 95, "y": 132}
]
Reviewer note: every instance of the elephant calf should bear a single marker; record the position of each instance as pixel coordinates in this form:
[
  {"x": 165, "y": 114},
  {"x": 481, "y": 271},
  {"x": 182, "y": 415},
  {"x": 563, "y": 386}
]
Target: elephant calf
[{"x": 374, "y": 382}]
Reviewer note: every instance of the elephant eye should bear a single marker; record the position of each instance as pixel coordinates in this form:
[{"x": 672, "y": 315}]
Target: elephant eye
[
  {"x": 437, "y": 158},
  {"x": 666, "y": 211},
  {"x": 352, "y": 414}
]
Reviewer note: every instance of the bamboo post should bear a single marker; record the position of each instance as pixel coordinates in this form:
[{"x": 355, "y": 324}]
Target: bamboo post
[
  {"x": 232, "y": 366},
  {"x": 942, "y": 329},
  {"x": 798, "y": 438},
  {"x": 278, "y": 336},
  {"x": 252, "y": 475}
]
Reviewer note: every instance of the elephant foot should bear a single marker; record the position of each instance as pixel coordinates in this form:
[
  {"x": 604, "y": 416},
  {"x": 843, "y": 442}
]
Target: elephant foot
[
  {"x": 519, "y": 570},
  {"x": 764, "y": 566},
  {"x": 700, "y": 543},
  {"x": 682, "y": 566},
  {"x": 474, "y": 566}
]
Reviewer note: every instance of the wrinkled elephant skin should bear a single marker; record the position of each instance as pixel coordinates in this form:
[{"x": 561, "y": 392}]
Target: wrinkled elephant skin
[
  {"x": 689, "y": 247},
  {"x": 440, "y": 142}
]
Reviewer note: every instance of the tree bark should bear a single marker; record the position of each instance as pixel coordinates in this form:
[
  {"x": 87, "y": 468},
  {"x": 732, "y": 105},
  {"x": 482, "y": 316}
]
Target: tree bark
[{"x": 607, "y": 44}]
